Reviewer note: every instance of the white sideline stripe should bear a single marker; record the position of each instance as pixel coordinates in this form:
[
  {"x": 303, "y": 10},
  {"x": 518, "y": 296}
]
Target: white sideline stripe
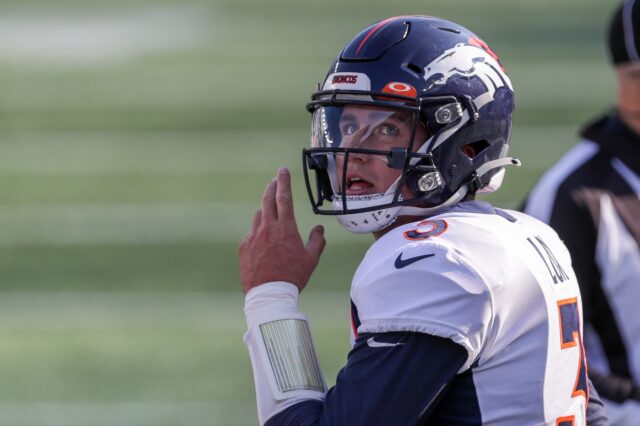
[
  {"x": 74, "y": 39},
  {"x": 122, "y": 224},
  {"x": 543, "y": 195},
  {"x": 152, "y": 311},
  {"x": 151, "y": 154},
  {"x": 89, "y": 224},
  {"x": 633, "y": 180},
  {"x": 46, "y": 413}
]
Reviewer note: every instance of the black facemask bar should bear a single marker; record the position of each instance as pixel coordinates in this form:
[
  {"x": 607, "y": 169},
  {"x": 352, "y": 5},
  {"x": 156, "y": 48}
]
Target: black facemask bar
[
  {"x": 358, "y": 97},
  {"x": 316, "y": 159}
]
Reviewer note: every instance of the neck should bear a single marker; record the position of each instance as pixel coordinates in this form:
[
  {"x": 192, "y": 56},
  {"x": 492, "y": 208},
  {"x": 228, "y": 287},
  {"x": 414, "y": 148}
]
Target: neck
[{"x": 402, "y": 220}]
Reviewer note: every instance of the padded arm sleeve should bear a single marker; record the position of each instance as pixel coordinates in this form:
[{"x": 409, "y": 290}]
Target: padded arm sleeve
[{"x": 285, "y": 366}]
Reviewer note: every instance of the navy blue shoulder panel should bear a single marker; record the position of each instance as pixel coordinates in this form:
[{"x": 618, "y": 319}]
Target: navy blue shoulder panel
[{"x": 391, "y": 378}]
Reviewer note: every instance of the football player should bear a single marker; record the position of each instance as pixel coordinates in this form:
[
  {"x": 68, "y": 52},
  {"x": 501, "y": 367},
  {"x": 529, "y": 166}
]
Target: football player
[{"x": 462, "y": 313}]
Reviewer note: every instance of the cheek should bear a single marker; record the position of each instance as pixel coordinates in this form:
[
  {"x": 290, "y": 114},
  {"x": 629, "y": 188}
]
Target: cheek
[
  {"x": 385, "y": 176},
  {"x": 346, "y": 141},
  {"x": 422, "y": 134}
]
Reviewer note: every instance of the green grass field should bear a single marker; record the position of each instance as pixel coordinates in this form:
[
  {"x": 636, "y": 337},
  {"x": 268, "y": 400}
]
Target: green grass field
[{"x": 136, "y": 139}]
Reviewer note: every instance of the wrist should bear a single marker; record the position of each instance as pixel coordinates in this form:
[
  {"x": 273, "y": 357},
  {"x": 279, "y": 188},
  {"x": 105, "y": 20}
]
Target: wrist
[{"x": 271, "y": 299}]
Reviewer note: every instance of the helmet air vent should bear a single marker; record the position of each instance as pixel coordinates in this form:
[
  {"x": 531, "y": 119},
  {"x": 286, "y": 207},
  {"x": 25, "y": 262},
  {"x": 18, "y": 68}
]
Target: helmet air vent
[
  {"x": 376, "y": 40},
  {"x": 414, "y": 69},
  {"x": 451, "y": 30}
]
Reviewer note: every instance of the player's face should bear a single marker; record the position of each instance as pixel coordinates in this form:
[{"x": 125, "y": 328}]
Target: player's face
[{"x": 378, "y": 129}]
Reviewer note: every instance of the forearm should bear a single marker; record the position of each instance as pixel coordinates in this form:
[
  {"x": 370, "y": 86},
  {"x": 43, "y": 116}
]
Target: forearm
[{"x": 285, "y": 366}]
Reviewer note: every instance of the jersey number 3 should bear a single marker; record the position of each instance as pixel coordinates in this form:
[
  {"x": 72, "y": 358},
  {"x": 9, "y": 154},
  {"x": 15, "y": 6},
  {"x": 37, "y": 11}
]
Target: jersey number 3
[
  {"x": 569, "y": 338},
  {"x": 569, "y": 316}
]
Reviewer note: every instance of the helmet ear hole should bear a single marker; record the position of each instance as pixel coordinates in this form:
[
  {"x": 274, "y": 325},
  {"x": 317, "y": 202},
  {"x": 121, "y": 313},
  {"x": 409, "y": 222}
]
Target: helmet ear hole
[
  {"x": 471, "y": 150},
  {"x": 468, "y": 150}
]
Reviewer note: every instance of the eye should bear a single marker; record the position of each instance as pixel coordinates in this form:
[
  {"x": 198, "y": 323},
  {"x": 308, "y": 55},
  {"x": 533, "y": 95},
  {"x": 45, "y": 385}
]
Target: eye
[
  {"x": 349, "y": 129},
  {"x": 389, "y": 130}
]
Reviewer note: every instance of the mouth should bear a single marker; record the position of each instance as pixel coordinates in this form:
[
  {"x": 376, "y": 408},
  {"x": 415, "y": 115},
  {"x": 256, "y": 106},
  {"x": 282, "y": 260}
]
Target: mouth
[{"x": 356, "y": 185}]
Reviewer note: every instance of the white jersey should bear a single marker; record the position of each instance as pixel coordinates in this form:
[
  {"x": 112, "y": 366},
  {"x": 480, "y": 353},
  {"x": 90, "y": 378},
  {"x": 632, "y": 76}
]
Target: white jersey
[{"x": 500, "y": 284}]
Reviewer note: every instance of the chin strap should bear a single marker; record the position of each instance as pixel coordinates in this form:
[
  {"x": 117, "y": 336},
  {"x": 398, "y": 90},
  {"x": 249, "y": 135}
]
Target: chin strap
[
  {"x": 472, "y": 186},
  {"x": 494, "y": 164},
  {"x": 476, "y": 177}
]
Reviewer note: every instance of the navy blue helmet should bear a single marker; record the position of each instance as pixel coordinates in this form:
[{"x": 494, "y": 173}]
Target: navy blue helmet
[{"x": 425, "y": 96}]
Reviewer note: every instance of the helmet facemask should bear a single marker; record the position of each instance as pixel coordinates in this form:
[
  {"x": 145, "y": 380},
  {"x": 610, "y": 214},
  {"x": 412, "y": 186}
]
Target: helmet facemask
[{"x": 368, "y": 148}]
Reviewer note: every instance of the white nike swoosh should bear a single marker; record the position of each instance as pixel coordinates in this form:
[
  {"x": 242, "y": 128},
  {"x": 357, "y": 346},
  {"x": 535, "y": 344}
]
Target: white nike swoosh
[{"x": 372, "y": 343}]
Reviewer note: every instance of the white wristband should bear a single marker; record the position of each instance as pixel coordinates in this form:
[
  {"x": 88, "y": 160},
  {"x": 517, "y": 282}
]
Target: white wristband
[
  {"x": 285, "y": 366},
  {"x": 266, "y": 299}
]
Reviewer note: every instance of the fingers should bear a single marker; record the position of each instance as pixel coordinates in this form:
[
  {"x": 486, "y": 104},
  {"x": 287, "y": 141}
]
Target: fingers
[
  {"x": 316, "y": 242},
  {"x": 277, "y": 201},
  {"x": 257, "y": 218},
  {"x": 269, "y": 209},
  {"x": 284, "y": 199}
]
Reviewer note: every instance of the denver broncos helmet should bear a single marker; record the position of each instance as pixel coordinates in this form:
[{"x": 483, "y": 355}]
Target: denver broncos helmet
[{"x": 437, "y": 78}]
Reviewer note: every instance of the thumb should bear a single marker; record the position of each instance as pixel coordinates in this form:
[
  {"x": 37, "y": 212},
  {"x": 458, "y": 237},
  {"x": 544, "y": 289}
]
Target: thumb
[{"x": 316, "y": 242}]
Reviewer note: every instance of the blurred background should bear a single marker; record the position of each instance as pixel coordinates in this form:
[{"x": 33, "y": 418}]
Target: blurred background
[{"x": 136, "y": 138}]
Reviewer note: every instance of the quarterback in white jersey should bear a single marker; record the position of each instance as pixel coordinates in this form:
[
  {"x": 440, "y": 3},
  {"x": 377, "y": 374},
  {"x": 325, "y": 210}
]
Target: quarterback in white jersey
[
  {"x": 462, "y": 314},
  {"x": 500, "y": 285}
]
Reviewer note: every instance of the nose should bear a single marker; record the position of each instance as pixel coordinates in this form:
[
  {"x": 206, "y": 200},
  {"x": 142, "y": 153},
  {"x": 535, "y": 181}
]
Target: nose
[
  {"x": 358, "y": 140},
  {"x": 359, "y": 157},
  {"x": 354, "y": 159}
]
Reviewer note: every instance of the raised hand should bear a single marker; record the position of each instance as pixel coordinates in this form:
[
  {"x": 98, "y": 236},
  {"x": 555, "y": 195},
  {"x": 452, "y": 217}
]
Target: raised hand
[{"x": 273, "y": 249}]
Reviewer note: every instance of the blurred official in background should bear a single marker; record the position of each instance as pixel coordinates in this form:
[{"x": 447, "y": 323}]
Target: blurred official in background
[{"x": 592, "y": 198}]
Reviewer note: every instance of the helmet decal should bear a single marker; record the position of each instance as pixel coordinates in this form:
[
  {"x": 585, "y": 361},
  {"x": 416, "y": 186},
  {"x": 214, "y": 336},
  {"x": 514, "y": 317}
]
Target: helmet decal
[
  {"x": 477, "y": 42},
  {"x": 467, "y": 61},
  {"x": 402, "y": 89},
  {"x": 347, "y": 81}
]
